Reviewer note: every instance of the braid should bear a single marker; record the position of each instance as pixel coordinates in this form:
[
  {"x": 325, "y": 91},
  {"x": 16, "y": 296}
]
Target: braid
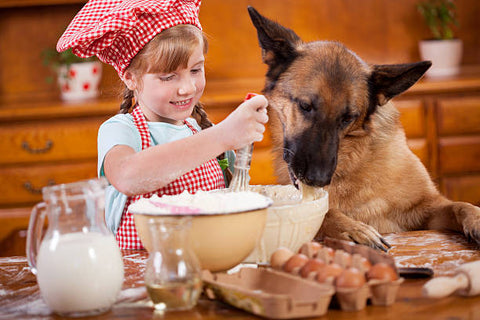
[
  {"x": 201, "y": 117},
  {"x": 127, "y": 100}
]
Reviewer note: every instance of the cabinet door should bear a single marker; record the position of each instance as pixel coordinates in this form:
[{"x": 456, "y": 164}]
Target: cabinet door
[
  {"x": 459, "y": 134},
  {"x": 459, "y": 154},
  {"x": 413, "y": 119},
  {"x": 34, "y": 142},
  {"x": 462, "y": 188},
  {"x": 420, "y": 148},
  {"x": 21, "y": 186},
  {"x": 458, "y": 116}
]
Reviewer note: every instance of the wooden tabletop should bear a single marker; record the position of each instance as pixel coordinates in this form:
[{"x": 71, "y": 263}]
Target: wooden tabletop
[{"x": 443, "y": 252}]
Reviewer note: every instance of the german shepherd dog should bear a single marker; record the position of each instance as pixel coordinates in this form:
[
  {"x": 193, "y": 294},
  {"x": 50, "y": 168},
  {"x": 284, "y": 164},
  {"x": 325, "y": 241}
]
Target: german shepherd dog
[{"x": 333, "y": 126}]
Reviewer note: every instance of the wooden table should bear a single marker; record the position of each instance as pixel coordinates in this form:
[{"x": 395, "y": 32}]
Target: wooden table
[{"x": 20, "y": 297}]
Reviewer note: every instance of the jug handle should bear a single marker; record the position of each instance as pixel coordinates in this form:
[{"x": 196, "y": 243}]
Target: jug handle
[{"x": 34, "y": 234}]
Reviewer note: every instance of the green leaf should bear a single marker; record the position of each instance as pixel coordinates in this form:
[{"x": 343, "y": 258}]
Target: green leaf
[
  {"x": 223, "y": 163},
  {"x": 439, "y": 16}
]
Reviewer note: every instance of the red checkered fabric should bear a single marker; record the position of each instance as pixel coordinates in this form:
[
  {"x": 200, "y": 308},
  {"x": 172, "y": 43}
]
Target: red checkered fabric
[
  {"x": 115, "y": 30},
  {"x": 208, "y": 176}
]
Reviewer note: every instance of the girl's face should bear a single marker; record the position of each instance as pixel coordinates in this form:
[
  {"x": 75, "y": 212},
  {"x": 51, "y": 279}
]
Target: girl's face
[{"x": 171, "y": 97}]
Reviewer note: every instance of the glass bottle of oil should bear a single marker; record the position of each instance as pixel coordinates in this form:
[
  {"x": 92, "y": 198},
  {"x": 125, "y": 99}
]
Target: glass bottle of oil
[{"x": 172, "y": 274}]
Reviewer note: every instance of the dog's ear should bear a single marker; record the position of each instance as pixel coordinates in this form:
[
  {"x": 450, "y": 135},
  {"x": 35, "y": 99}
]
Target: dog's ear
[
  {"x": 277, "y": 42},
  {"x": 388, "y": 81}
]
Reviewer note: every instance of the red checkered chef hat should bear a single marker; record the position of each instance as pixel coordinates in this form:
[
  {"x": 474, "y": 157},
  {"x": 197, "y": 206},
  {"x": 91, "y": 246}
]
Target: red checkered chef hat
[{"x": 115, "y": 30}]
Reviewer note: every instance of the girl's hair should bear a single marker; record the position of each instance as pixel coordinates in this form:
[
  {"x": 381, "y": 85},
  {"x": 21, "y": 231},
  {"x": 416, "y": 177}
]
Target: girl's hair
[{"x": 165, "y": 53}]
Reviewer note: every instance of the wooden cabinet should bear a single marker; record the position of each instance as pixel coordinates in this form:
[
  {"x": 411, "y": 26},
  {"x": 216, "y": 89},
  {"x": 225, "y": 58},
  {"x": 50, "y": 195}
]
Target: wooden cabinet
[
  {"x": 51, "y": 143},
  {"x": 447, "y": 121},
  {"x": 413, "y": 118},
  {"x": 43, "y": 148},
  {"x": 458, "y": 121}
]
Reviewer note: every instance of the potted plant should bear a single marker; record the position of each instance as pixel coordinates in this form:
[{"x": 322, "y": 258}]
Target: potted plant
[
  {"x": 78, "y": 78},
  {"x": 444, "y": 50}
]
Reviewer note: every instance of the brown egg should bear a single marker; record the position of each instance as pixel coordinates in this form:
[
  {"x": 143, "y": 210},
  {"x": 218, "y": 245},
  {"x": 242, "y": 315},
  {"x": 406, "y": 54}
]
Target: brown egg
[
  {"x": 330, "y": 251},
  {"x": 310, "y": 249},
  {"x": 295, "y": 263},
  {"x": 279, "y": 257},
  {"x": 364, "y": 264},
  {"x": 350, "y": 278},
  {"x": 382, "y": 271},
  {"x": 361, "y": 263},
  {"x": 312, "y": 266},
  {"x": 326, "y": 254},
  {"x": 342, "y": 258},
  {"x": 330, "y": 271}
]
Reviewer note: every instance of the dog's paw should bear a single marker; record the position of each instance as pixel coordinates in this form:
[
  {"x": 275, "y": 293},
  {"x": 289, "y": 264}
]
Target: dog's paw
[
  {"x": 471, "y": 223},
  {"x": 365, "y": 234}
]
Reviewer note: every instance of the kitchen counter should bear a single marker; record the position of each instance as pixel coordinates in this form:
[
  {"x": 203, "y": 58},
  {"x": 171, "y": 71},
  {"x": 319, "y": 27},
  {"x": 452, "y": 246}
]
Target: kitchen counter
[{"x": 443, "y": 252}]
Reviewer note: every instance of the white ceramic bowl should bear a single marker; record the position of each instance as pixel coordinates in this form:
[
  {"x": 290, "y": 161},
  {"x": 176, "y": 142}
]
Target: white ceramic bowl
[{"x": 290, "y": 222}]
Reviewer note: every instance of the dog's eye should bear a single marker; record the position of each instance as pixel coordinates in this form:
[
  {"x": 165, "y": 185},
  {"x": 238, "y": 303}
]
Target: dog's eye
[
  {"x": 305, "y": 106},
  {"x": 347, "y": 119}
]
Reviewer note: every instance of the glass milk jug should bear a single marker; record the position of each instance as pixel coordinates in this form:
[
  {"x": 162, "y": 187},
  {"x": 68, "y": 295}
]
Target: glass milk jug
[
  {"x": 78, "y": 264},
  {"x": 172, "y": 273}
]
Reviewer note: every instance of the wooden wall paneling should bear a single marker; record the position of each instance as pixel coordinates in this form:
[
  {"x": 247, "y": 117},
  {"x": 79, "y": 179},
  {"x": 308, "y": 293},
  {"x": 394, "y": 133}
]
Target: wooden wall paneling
[
  {"x": 379, "y": 31},
  {"x": 24, "y": 33}
]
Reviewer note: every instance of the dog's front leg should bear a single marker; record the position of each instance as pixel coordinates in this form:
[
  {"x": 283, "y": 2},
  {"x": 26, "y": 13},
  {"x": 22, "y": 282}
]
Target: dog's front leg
[
  {"x": 338, "y": 225},
  {"x": 457, "y": 216}
]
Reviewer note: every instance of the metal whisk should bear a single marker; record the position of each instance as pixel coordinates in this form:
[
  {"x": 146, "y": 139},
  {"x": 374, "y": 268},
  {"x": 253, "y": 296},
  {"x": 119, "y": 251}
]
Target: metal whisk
[{"x": 241, "y": 178}]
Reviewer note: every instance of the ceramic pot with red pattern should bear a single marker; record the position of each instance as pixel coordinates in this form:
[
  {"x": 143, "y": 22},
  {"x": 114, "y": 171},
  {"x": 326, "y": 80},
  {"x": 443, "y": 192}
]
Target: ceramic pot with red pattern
[{"x": 79, "y": 81}]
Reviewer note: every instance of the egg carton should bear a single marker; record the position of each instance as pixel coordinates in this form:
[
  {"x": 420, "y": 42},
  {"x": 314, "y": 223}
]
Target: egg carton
[
  {"x": 379, "y": 292},
  {"x": 277, "y": 294},
  {"x": 269, "y": 293}
]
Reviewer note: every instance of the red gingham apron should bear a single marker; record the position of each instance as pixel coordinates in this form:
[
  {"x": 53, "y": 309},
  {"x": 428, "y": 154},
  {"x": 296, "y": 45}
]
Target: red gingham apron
[{"x": 206, "y": 177}]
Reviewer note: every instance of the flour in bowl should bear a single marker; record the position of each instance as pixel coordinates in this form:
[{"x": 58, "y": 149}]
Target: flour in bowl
[{"x": 216, "y": 202}]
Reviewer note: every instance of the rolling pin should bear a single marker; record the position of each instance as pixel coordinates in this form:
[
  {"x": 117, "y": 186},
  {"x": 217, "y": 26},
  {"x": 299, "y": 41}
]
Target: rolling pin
[{"x": 466, "y": 282}]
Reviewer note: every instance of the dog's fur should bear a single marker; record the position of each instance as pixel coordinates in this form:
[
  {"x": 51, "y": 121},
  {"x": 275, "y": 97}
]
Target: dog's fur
[{"x": 333, "y": 126}]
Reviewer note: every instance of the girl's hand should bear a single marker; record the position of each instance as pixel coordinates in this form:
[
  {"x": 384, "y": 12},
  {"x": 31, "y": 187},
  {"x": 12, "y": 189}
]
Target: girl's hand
[{"x": 246, "y": 124}]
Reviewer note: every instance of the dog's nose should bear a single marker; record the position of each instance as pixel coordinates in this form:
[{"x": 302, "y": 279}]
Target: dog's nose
[
  {"x": 317, "y": 178},
  {"x": 318, "y": 181}
]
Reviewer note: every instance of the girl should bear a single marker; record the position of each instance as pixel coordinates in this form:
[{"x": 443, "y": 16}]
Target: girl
[{"x": 160, "y": 146}]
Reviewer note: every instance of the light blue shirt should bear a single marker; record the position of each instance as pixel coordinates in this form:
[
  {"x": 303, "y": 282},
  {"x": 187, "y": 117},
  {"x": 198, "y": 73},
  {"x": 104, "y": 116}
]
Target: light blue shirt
[{"x": 121, "y": 130}]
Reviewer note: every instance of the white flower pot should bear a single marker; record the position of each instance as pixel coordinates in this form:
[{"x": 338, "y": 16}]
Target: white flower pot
[
  {"x": 79, "y": 81},
  {"x": 445, "y": 55}
]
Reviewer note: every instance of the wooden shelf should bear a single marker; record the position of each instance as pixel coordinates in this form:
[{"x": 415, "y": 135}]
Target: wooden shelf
[
  {"x": 467, "y": 80},
  {"x": 57, "y": 109}
]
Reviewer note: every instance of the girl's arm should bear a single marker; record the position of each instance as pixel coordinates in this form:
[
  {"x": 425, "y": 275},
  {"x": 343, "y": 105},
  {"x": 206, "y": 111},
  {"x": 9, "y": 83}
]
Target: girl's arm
[{"x": 135, "y": 173}]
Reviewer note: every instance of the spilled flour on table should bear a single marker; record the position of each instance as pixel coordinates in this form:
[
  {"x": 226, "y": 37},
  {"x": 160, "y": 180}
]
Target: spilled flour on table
[{"x": 444, "y": 252}]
